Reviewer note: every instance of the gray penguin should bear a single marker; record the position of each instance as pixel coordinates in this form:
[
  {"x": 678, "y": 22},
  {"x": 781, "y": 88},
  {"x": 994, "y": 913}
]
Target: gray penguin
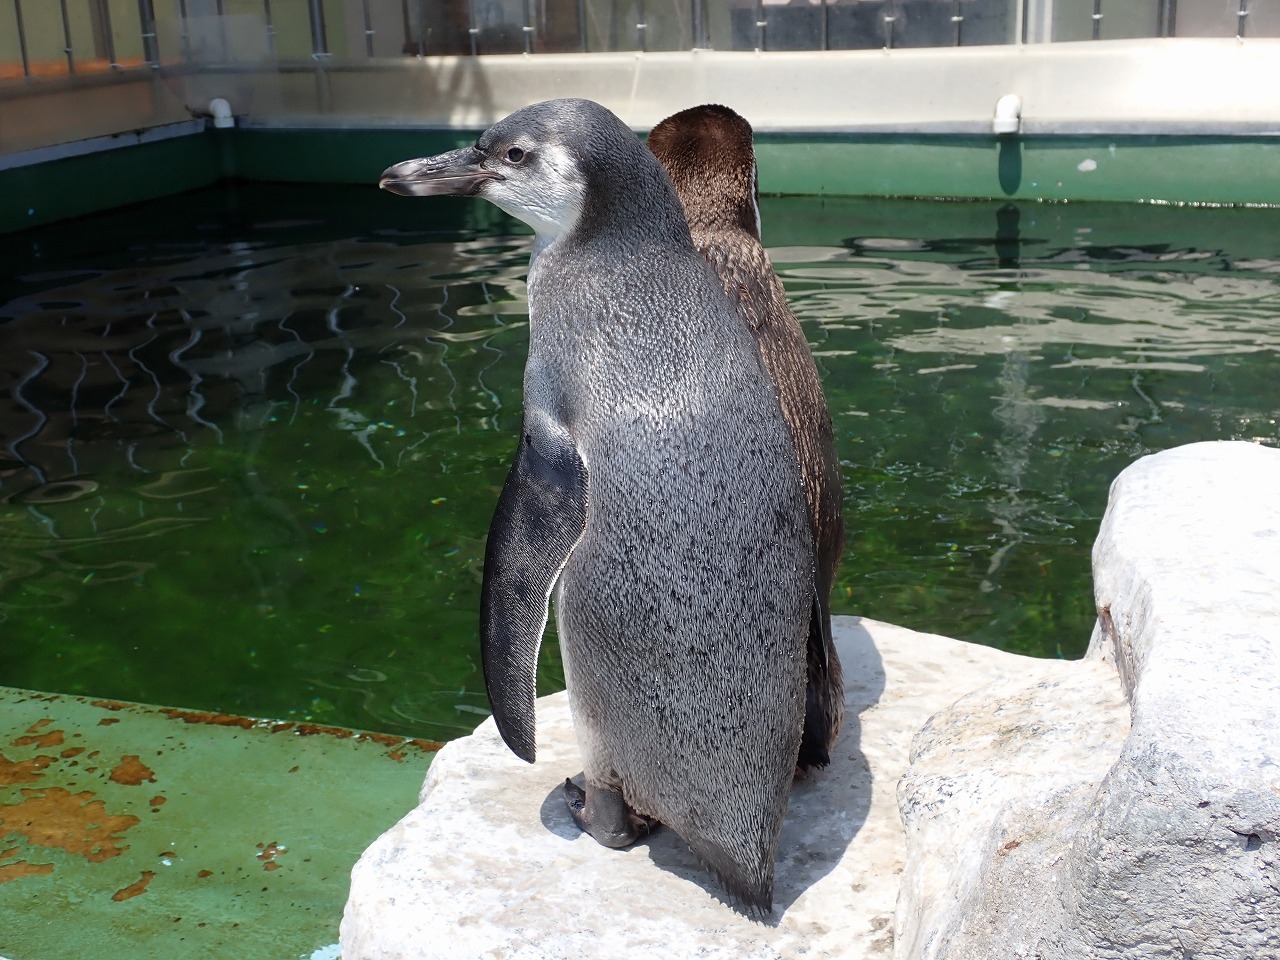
[
  {"x": 655, "y": 491},
  {"x": 709, "y": 155}
]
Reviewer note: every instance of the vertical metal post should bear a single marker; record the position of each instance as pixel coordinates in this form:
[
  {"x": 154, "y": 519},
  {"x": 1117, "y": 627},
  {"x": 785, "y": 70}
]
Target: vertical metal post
[
  {"x": 150, "y": 43},
  {"x": 701, "y": 30},
  {"x": 825, "y": 27},
  {"x": 22, "y": 38},
  {"x": 957, "y": 19},
  {"x": 582, "y": 26},
  {"x": 422, "y": 28},
  {"x": 66, "y": 38},
  {"x": 761, "y": 25},
  {"x": 223, "y": 42},
  {"x": 186, "y": 32},
  {"x": 104, "y": 18},
  {"x": 1168, "y": 25},
  {"x": 1020, "y": 28},
  {"x": 1097, "y": 19},
  {"x": 889, "y": 20},
  {"x": 319, "y": 40},
  {"x": 271, "y": 27},
  {"x": 1242, "y": 15},
  {"x": 527, "y": 28},
  {"x": 368, "y": 31},
  {"x": 472, "y": 29}
]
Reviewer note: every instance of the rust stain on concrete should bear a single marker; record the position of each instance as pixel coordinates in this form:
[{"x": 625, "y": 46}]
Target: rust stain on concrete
[
  {"x": 215, "y": 719},
  {"x": 267, "y": 853},
  {"x": 112, "y": 705},
  {"x": 20, "y": 868},
  {"x": 54, "y": 738},
  {"x": 301, "y": 729},
  {"x": 131, "y": 771},
  {"x": 74, "y": 822},
  {"x": 13, "y": 772},
  {"x": 131, "y": 891}
]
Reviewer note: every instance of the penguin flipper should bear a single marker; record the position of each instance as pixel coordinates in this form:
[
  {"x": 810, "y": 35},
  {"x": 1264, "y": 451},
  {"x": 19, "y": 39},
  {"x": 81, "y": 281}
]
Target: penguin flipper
[{"x": 539, "y": 520}]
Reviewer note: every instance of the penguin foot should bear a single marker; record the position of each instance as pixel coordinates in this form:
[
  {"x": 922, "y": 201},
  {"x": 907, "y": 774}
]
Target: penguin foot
[{"x": 601, "y": 812}]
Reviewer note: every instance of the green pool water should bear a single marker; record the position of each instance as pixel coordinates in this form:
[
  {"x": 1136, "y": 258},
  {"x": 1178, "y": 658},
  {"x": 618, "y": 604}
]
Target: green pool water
[{"x": 251, "y": 437}]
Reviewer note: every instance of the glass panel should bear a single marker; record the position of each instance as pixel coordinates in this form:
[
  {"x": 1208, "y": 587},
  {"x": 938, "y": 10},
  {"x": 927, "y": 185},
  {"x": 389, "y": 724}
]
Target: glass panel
[
  {"x": 171, "y": 33},
  {"x": 500, "y": 25},
  {"x": 988, "y": 22},
  {"x": 244, "y": 27},
  {"x": 1125, "y": 19},
  {"x": 88, "y": 47},
  {"x": 859, "y": 24},
  {"x": 1263, "y": 19},
  {"x": 291, "y": 23},
  {"x": 559, "y": 26},
  {"x": 1116, "y": 20},
  {"x": 126, "y": 32},
  {"x": 435, "y": 28},
  {"x": 390, "y": 29},
  {"x": 638, "y": 24},
  {"x": 669, "y": 24},
  {"x": 800, "y": 26},
  {"x": 1072, "y": 20},
  {"x": 1209, "y": 18},
  {"x": 864, "y": 24},
  {"x": 924, "y": 23}
]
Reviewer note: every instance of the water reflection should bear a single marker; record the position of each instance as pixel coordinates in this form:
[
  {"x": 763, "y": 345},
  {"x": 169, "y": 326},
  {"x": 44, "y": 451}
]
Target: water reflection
[{"x": 249, "y": 466}]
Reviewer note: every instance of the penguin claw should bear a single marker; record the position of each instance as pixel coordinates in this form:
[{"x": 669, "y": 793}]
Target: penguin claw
[
  {"x": 602, "y": 813},
  {"x": 575, "y": 799}
]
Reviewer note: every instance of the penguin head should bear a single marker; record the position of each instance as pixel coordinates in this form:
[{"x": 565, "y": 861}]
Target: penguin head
[
  {"x": 708, "y": 153},
  {"x": 556, "y": 165}
]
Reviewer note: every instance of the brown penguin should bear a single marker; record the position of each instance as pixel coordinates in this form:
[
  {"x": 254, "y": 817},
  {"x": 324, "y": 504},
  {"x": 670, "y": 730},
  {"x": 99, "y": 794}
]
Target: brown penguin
[{"x": 708, "y": 153}]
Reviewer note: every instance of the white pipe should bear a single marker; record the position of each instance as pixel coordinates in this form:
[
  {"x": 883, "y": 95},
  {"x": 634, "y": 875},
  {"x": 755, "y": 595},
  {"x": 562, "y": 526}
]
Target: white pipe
[
  {"x": 220, "y": 110},
  {"x": 1008, "y": 118}
]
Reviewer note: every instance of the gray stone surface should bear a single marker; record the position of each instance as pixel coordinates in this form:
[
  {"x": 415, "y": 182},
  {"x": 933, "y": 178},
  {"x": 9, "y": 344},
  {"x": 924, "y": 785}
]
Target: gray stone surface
[
  {"x": 1043, "y": 823},
  {"x": 490, "y": 864}
]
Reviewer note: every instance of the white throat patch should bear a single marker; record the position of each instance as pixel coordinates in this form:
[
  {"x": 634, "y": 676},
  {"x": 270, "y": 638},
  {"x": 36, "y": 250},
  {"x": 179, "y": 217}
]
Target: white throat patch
[{"x": 546, "y": 194}]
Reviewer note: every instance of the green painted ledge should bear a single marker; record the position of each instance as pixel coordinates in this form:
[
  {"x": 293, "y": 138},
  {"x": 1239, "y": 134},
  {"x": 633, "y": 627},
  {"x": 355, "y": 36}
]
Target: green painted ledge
[
  {"x": 1210, "y": 170},
  {"x": 42, "y": 193},
  {"x": 142, "y": 832},
  {"x": 1172, "y": 169}
]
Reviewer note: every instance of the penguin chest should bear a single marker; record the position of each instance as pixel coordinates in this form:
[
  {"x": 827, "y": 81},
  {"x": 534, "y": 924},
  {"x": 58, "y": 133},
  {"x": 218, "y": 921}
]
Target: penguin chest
[{"x": 683, "y": 612}]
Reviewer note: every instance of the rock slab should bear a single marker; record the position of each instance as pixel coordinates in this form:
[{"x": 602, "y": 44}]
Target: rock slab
[
  {"x": 1132, "y": 809},
  {"x": 1124, "y": 806},
  {"x": 490, "y": 864}
]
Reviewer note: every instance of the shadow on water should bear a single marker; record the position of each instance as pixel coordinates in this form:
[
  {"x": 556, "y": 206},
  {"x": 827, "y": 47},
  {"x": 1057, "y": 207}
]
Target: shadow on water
[{"x": 826, "y": 810}]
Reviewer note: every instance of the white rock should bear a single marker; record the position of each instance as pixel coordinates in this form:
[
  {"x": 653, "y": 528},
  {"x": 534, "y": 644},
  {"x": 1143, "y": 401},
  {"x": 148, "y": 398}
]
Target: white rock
[
  {"x": 490, "y": 864},
  {"x": 1041, "y": 824},
  {"x": 1125, "y": 806}
]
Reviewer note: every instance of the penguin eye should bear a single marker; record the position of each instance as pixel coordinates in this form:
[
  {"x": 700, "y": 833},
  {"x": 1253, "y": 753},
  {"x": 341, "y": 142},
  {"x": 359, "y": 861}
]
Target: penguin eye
[{"x": 515, "y": 154}]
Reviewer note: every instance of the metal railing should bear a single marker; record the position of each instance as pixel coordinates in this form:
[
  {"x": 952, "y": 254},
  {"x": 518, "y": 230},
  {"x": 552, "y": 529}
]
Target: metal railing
[{"x": 70, "y": 37}]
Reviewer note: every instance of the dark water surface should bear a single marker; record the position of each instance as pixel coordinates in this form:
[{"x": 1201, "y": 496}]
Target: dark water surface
[{"x": 251, "y": 438}]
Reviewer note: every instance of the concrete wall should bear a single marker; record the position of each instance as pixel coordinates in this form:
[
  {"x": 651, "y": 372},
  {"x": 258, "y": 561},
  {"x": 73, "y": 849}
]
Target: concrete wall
[{"x": 1178, "y": 87}]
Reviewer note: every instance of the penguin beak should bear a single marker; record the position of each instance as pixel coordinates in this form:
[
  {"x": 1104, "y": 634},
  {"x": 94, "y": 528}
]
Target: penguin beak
[{"x": 456, "y": 173}]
